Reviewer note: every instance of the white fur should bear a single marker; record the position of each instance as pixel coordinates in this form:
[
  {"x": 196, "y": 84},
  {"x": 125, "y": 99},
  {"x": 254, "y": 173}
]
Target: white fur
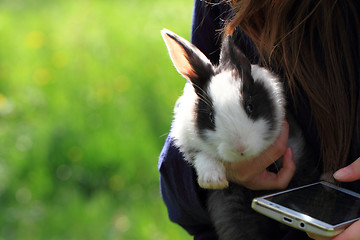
[
  {"x": 236, "y": 136},
  {"x": 233, "y": 127},
  {"x": 183, "y": 127},
  {"x": 275, "y": 88},
  {"x": 211, "y": 171}
]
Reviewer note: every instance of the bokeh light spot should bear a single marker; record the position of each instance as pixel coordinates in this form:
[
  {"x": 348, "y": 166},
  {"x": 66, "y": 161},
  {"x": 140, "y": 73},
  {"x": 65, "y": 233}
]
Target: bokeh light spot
[
  {"x": 24, "y": 143},
  {"x": 59, "y": 59},
  {"x": 42, "y": 76},
  {"x": 64, "y": 172},
  {"x": 121, "y": 223},
  {"x": 6, "y": 107},
  {"x": 23, "y": 195},
  {"x": 35, "y": 40},
  {"x": 75, "y": 154},
  {"x": 122, "y": 84},
  {"x": 3, "y": 101},
  {"x": 116, "y": 183}
]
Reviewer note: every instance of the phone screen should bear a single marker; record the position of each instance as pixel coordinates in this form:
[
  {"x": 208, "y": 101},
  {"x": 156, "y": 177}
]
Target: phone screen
[{"x": 321, "y": 202}]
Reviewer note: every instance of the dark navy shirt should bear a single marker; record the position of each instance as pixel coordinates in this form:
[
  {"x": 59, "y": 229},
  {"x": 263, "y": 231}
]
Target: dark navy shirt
[{"x": 184, "y": 199}]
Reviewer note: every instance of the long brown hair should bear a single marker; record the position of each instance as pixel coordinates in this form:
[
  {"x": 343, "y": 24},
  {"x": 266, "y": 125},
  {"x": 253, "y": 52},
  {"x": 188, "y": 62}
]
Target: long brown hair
[{"x": 313, "y": 43}]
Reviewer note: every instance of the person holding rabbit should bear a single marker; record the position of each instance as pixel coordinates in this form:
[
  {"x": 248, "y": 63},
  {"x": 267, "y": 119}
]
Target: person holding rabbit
[{"x": 314, "y": 47}]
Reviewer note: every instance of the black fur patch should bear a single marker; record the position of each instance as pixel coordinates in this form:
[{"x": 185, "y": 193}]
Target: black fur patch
[
  {"x": 203, "y": 71},
  {"x": 256, "y": 98},
  {"x": 232, "y": 58},
  {"x": 259, "y": 98},
  {"x": 205, "y": 115}
]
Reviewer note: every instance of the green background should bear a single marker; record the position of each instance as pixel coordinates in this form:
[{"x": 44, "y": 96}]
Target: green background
[{"x": 86, "y": 96}]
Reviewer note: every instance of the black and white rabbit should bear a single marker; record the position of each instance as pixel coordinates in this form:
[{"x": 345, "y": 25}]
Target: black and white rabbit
[{"x": 229, "y": 112}]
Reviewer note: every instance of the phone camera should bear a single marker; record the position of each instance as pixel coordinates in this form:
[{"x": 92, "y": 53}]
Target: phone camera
[{"x": 302, "y": 225}]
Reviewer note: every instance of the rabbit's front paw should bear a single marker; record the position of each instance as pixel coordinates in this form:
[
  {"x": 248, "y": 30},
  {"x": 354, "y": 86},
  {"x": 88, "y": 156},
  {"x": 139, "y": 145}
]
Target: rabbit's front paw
[{"x": 214, "y": 179}]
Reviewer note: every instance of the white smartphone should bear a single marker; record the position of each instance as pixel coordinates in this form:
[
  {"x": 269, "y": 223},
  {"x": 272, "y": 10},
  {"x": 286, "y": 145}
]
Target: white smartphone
[{"x": 320, "y": 208}]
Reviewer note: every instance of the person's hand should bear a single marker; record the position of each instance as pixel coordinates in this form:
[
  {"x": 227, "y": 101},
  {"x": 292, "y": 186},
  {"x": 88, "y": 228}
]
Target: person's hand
[
  {"x": 253, "y": 173},
  {"x": 349, "y": 173},
  {"x": 346, "y": 174},
  {"x": 351, "y": 233}
]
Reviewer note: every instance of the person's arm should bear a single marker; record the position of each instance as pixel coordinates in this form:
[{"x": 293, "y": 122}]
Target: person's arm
[
  {"x": 181, "y": 194},
  {"x": 209, "y": 20},
  {"x": 206, "y": 26},
  {"x": 184, "y": 199}
]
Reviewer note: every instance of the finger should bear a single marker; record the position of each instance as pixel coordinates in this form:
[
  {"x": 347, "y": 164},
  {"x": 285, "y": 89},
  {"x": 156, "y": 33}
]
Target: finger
[
  {"x": 264, "y": 181},
  {"x": 349, "y": 173},
  {"x": 317, "y": 237},
  {"x": 269, "y": 180},
  {"x": 352, "y": 232},
  {"x": 248, "y": 171},
  {"x": 288, "y": 170},
  {"x": 276, "y": 150},
  {"x": 279, "y": 147}
]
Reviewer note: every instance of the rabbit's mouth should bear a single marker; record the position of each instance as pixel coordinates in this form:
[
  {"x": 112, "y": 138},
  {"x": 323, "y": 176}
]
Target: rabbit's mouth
[{"x": 234, "y": 154}]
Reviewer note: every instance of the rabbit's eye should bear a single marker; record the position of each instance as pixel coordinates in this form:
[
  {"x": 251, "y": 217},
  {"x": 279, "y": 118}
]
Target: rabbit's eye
[
  {"x": 211, "y": 117},
  {"x": 249, "y": 108}
]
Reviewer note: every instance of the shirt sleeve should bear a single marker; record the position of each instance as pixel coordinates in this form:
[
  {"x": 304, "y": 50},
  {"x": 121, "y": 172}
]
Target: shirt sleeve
[
  {"x": 183, "y": 197},
  {"x": 206, "y": 28}
]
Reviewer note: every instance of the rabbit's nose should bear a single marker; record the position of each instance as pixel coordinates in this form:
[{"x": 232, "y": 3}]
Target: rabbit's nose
[{"x": 240, "y": 148}]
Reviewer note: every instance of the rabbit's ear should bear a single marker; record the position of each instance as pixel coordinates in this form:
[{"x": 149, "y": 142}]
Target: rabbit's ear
[
  {"x": 188, "y": 59},
  {"x": 232, "y": 56}
]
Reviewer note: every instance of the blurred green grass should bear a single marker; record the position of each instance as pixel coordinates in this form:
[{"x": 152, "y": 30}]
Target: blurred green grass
[{"x": 86, "y": 97}]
